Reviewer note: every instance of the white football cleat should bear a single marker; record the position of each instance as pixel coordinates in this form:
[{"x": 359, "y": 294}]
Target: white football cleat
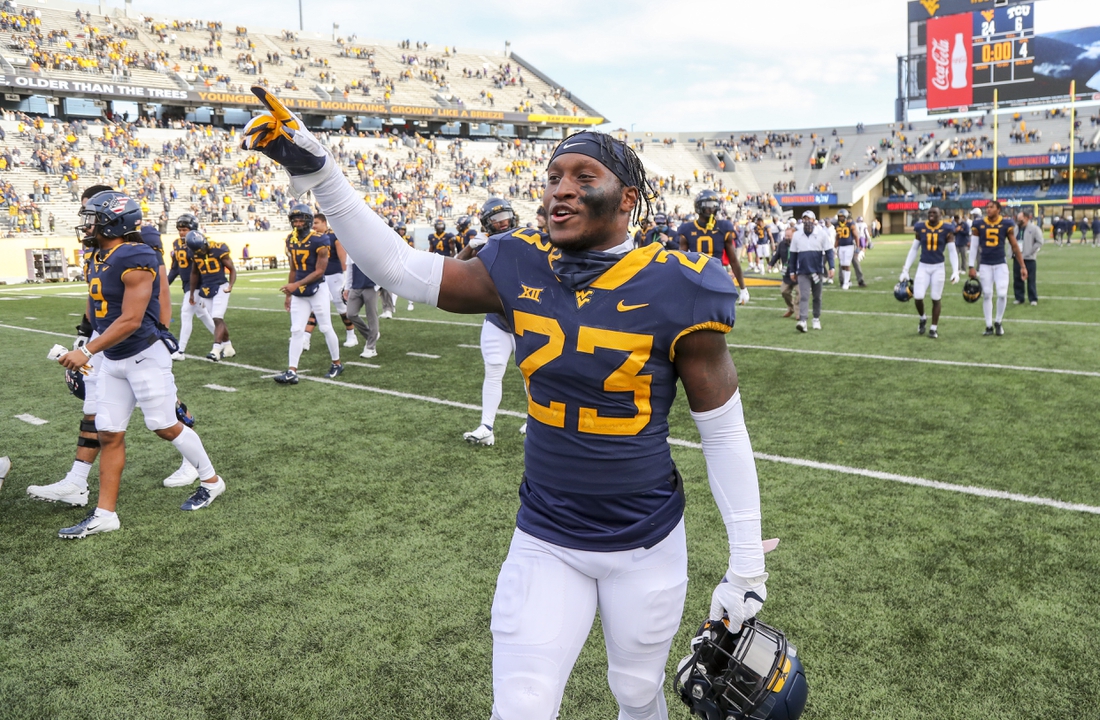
[
  {"x": 204, "y": 495},
  {"x": 186, "y": 475},
  {"x": 351, "y": 340},
  {"x": 227, "y": 350},
  {"x": 816, "y": 324},
  {"x": 65, "y": 491},
  {"x": 368, "y": 353},
  {"x": 387, "y": 314},
  {"x": 90, "y": 526},
  {"x": 5, "y": 466},
  {"x": 410, "y": 305},
  {"x": 178, "y": 355},
  {"x": 482, "y": 435},
  {"x": 305, "y": 345},
  {"x": 523, "y": 429}
]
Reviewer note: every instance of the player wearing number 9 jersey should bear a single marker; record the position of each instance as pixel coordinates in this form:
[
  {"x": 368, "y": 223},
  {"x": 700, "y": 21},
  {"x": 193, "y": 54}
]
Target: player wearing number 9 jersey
[
  {"x": 602, "y": 333},
  {"x": 989, "y": 237},
  {"x": 707, "y": 235}
]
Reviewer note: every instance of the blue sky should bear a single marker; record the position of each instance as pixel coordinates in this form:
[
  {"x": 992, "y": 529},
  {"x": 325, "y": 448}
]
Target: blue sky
[{"x": 683, "y": 66}]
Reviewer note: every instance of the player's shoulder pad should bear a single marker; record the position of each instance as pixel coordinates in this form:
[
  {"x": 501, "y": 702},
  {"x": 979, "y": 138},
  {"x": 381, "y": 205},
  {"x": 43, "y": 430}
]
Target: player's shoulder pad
[
  {"x": 135, "y": 255},
  {"x": 704, "y": 271},
  {"x": 684, "y": 228},
  {"x": 523, "y": 236},
  {"x": 724, "y": 226},
  {"x": 919, "y": 225}
]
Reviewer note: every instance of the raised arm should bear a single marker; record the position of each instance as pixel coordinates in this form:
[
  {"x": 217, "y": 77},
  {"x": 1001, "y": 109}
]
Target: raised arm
[{"x": 451, "y": 284}]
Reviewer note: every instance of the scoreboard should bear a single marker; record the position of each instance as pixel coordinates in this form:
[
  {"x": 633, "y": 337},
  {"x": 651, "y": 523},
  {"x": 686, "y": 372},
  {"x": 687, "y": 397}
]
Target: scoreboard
[{"x": 1002, "y": 48}]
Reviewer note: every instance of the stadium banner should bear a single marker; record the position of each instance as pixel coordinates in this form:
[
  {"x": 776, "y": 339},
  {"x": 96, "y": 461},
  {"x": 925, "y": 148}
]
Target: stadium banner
[
  {"x": 950, "y": 61},
  {"x": 806, "y": 198},
  {"x": 42, "y": 85},
  {"x": 1055, "y": 159},
  {"x": 920, "y": 10}
]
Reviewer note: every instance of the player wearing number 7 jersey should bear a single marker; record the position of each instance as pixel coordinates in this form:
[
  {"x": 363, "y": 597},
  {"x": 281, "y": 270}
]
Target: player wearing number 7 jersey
[{"x": 603, "y": 331}]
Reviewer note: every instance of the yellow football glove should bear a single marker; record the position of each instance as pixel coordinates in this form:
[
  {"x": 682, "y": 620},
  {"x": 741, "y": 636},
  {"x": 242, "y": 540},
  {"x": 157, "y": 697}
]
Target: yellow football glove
[{"x": 281, "y": 136}]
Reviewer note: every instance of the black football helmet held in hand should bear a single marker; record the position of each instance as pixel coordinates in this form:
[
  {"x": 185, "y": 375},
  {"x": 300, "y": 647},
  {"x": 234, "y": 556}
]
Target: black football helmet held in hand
[
  {"x": 972, "y": 290},
  {"x": 903, "y": 291},
  {"x": 752, "y": 673}
]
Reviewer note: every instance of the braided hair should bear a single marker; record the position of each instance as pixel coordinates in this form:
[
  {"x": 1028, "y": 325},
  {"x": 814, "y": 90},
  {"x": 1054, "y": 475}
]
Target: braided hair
[{"x": 617, "y": 151}]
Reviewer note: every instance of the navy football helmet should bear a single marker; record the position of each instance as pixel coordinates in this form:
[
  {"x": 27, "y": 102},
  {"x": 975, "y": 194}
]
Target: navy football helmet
[
  {"x": 749, "y": 674},
  {"x": 440, "y": 225},
  {"x": 111, "y": 214},
  {"x": 903, "y": 291},
  {"x": 972, "y": 290},
  {"x": 195, "y": 240},
  {"x": 463, "y": 223},
  {"x": 400, "y": 228},
  {"x": 301, "y": 211},
  {"x": 707, "y": 203},
  {"x": 188, "y": 221},
  {"x": 497, "y": 216},
  {"x": 75, "y": 381}
]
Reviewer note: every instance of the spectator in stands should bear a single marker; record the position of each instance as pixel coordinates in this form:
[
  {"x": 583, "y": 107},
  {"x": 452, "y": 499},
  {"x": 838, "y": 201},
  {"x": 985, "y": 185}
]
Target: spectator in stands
[{"x": 1031, "y": 241}]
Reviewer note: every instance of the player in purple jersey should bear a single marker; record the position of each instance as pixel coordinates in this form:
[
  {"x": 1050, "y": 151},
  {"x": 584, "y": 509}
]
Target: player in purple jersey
[{"x": 603, "y": 333}]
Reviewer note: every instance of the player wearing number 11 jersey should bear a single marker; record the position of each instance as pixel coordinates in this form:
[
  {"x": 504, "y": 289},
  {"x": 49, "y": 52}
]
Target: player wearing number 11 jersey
[
  {"x": 932, "y": 238},
  {"x": 603, "y": 331}
]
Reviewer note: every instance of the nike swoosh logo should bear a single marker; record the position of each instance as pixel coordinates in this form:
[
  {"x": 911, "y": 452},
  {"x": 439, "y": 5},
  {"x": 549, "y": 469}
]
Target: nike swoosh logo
[
  {"x": 626, "y": 308},
  {"x": 138, "y": 362},
  {"x": 569, "y": 145}
]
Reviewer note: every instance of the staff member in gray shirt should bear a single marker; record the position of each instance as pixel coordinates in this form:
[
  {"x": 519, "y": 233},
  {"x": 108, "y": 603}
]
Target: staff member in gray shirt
[
  {"x": 810, "y": 250},
  {"x": 1031, "y": 240}
]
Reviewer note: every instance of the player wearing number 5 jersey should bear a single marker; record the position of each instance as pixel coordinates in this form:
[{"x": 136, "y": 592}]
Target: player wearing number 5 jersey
[
  {"x": 989, "y": 237},
  {"x": 707, "y": 235},
  {"x": 135, "y": 368},
  {"x": 602, "y": 332},
  {"x": 306, "y": 292},
  {"x": 209, "y": 261},
  {"x": 932, "y": 238}
]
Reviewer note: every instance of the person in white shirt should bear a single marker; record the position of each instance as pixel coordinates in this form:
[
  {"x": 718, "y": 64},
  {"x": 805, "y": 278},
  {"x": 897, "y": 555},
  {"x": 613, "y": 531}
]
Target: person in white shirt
[{"x": 810, "y": 249}]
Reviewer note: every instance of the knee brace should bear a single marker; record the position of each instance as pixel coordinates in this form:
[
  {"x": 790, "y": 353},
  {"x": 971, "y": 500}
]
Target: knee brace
[{"x": 88, "y": 426}]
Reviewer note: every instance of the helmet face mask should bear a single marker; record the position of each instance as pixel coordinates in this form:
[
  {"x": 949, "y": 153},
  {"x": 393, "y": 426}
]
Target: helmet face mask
[
  {"x": 750, "y": 674},
  {"x": 108, "y": 215},
  {"x": 301, "y": 217},
  {"x": 186, "y": 223},
  {"x": 440, "y": 226},
  {"x": 497, "y": 216},
  {"x": 707, "y": 204}
]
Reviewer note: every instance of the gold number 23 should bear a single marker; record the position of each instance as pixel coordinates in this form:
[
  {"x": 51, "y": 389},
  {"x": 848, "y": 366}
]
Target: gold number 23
[{"x": 625, "y": 378}]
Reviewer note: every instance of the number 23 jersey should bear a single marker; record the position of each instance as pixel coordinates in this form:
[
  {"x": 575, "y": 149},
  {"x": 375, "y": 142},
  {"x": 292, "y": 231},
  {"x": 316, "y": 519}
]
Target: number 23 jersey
[{"x": 598, "y": 363}]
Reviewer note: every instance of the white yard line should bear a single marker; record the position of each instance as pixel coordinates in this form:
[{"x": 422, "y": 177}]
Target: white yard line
[
  {"x": 844, "y": 469},
  {"x": 222, "y": 388},
  {"x": 31, "y": 419},
  {"x": 423, "y": 355},
  {"x": 359, "y": 364},
  {"x": 472, "y": 347},
  {"x": 910, "y": 316}
]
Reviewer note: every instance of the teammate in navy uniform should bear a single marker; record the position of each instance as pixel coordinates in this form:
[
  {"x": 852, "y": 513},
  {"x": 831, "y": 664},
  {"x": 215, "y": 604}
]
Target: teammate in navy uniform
[
  {"x": 707, "y": 235},
  {"x": 210, "y": 288},
  {"x": 932, "y": 238},
  {"x": 306, "y": 292},
  {"x": 661, "y": 234},
  {"x": 181, "y": 268},
  {"x": 135, "y": 367},
  {"x": 602, "y": 333},
  {"x": 334, "y": 278},
  {"x": 497, "y": 343},
  {"x": 440, "y": 241},
  {"x": 846, "y": 239},
  {"x": 989, "y": 237},
  {"x": 464, "y": 234}
]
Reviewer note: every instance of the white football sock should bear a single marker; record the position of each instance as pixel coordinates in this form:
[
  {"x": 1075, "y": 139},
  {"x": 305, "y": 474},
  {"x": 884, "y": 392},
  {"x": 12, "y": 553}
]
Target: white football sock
[
  {"x": 332, "y": 342},
  {"x": 190, "y": 446},
  {"x": 492, "y": 389},
  {"x": 1002, "y": 303},
  {"x": 79, "y": 472},
  {"x": 101, "y": 513},
  {"x": 987, "y": 309},
  {"x": 297, "y": 342}
]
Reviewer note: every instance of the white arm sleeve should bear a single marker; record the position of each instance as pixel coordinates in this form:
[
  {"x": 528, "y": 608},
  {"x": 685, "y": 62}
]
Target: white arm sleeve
[
  {"x": 953, "y": 254},
  {"x": 347, "y": 271},
  {"x": 371, "y": 243},
  {"x": 911, "y": 256},
  {"x": 731, "y": 469},
  {"x": 973, "y": 251}
]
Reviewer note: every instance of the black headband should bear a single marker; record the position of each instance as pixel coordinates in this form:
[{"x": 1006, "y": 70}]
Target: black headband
[{"x": 610, "y": 154}]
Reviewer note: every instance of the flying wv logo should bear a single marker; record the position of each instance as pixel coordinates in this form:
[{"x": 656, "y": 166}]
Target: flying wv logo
[
  {"x": 931, "y": 6},
  {"x": 530, "y": 293},
  {"x": 583, "y": 296}
]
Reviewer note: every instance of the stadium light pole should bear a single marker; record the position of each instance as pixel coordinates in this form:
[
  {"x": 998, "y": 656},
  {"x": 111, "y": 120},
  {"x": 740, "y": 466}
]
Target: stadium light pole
[
  {"x": 995, "y": 138},
  {"x": 1072, "y": 132},
  {"x": 301, "y": 23}
]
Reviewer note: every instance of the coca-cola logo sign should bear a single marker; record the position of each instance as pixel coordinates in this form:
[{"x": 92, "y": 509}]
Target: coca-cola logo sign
[{"x": 939, "y": 51}]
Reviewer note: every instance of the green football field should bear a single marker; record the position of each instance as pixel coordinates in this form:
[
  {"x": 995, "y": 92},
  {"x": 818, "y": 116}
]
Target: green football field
[{"x": 938, "y": 504}]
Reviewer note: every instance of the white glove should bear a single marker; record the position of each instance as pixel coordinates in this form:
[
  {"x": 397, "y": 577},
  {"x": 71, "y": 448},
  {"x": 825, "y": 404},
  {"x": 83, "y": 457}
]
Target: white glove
[
  {"x": 954, "y": 278},
  {"x": 59, "y": 351},
  {"x": 744, "y": 297},
  {"x": 478, "y": 240},
  {"x": 904, "y": 277},
  {"x": 738, "y": 598},
  {"x": 81, "y": 341}
]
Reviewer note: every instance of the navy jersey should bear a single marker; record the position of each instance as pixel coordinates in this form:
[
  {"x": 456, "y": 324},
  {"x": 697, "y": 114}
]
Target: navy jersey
[
  {"x": 333, "y": 267},
  {"x": 105, "y": 288},
  {"x": 933, "y": 239},
  {"x": 761, "y": 234},
  {"x": 303, "y": 258},
  {"x": 710, "y": 240},
  {"x": 440, "y": 244},
  {"x": 962, "y": 235},
  {"x": 210, "y": 262},
  {"x": 151, "y": 237},
  {"x": 598, "y": 363},
  {"x": 846, "y": 235},
  {"x": 992, "y": 239},
  {"x": 182, "y": 258},
  {"x": 463, "y": 239}
]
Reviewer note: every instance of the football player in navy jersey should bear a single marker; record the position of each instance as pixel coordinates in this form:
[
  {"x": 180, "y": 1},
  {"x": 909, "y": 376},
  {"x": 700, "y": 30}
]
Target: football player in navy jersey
[
  {"x": 210, "y": 288},
  {"x": 602, "y": 333},
  {"x": 707, "y": 235},
  {"x": 306, "y": 291},
  {"x": 135, "y": 367},
  {"x": 465, "y": 233},
  {"x": 989, "y": 237},
  {"x": 440, "y": 241},
  {"x": 181, "y": 268},
  {"x": 847, "y": 238},
  {"x": 497, "y": 343},
  {"x": 334, "y": 278},
  {"x": 932, "y": 238}
]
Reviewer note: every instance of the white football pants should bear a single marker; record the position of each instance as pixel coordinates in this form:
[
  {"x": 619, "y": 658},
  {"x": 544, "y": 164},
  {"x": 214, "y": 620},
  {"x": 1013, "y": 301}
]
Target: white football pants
[
  {"x": 336, "y": 292},
  {"x": 929, "y": 276},
  {"x": 144, "y": 380},
  {"x": 300, "y": 309},
  {"x": 994, "y": 276},
  {"x": 497, "y": 346},
  {"x": 215, "y": 305},
  {"x": 545, "y": 602},
  {"x": 187, "y": 317}
]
